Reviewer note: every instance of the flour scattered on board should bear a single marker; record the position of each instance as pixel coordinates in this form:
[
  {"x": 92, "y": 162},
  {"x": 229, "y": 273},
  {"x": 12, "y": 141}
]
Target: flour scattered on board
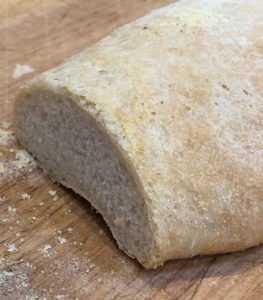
[
  {"x": 11, "y": 248},
  {"x": 6, "y": 136},
  {"x": 25, "y": 196},
  {"x": 5, "y": 276},
  {"x": 61, "y": 240},
  {"x": 5, "y": 124},
  {"x": 11, "y": 209},
  {"x": 2, "y": 169},
  {"x": 21, "y": 70},
  {"x": 22, "y": 161},
  {"x": 12, "y": 161},
  {"x": 60, "y": 297},
  {"x": 18, "y": 277},
  {"x": 46, "y": 250},
  {"x": 14, "y": 280}
]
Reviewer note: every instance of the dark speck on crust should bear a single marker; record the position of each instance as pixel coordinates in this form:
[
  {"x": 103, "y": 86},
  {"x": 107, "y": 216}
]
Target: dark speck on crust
[
  {"x": 225, "y": 86},
  {"x": 245, "y": 92},
  {"x": 103, "y": 72}
]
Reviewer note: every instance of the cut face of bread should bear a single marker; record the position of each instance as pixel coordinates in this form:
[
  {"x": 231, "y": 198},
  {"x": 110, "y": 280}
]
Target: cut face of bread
[
  {"x": 75, "y": 152},
  {"x": 160, "y": 127}
]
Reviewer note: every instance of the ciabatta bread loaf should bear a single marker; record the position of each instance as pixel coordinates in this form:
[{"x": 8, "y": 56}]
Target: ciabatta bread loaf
[{"x": 160, "y": 127}]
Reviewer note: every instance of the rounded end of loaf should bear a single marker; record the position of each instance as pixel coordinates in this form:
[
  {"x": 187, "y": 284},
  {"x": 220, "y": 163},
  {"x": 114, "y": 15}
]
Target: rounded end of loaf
[{"x": 76, "y": 151}]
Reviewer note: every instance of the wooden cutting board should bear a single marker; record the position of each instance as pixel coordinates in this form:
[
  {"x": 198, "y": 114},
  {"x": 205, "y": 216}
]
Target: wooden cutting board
[{"x": 53, "y": 244}]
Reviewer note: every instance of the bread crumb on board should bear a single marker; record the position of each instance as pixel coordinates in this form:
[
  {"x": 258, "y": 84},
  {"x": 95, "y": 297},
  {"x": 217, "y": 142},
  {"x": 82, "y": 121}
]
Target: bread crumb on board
[
  {"x": 33, "y": 219},
  {"x": 21, "y": 70},
  {"x": 52, "y": 192},
  {"x": 25, "y": 196}
]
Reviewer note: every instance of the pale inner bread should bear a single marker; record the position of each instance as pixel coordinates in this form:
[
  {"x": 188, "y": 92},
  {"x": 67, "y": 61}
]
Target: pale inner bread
[{"x": 76, "y": 152}]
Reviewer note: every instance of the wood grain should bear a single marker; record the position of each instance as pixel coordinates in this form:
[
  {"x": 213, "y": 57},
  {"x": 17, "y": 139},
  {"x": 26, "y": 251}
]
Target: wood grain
[{"x": 63, "y": 249}]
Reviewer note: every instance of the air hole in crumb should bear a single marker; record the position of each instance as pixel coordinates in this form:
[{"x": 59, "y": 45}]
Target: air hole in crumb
[
  {"x": 187, "y": 108},
  {"x": 44, "y": 115},
  {"x": 145, "y": 27},
  {"x": 136, "y": 243},
  {"x": 161, "y": 102},
  {"x": 153, "y": 113},
  {"x": 216, "y": 103}
]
